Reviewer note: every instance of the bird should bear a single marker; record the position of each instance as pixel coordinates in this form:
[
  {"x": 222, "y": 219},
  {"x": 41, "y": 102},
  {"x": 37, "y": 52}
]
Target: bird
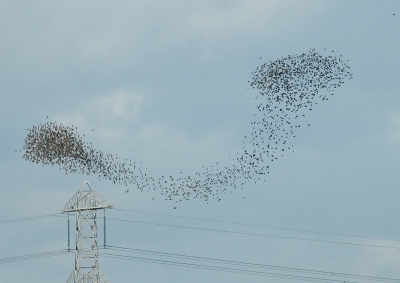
[{"x": 286, "y": 88}]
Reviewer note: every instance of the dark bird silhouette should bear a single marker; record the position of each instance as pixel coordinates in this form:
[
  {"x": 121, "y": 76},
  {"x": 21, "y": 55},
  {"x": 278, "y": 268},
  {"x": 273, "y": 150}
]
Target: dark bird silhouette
[{"x": 286, "y": 89}]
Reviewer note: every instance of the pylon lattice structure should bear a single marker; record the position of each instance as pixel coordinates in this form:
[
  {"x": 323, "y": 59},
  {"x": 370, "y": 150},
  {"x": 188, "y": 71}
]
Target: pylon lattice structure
[{"x": 84, "y": 204}]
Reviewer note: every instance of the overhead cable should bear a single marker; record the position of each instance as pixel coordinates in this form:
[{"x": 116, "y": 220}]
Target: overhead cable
[
  {"x": 258, "y": 234},
  {"x": 33, "y": 256},
  {"x": 258, "y": 225},
  {"x": 255, "y": 265},
  {"x": 227, "y": 269},
  {"x": 30, "y": 218}
]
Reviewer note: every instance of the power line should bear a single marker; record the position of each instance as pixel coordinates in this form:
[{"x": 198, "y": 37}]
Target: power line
[
  {"x": 256, "y": 265},
  {"x": 30, "y": 218},
  {"x": 33, "y": 256},
  {"x": 258, "y": 234},
  {"x": 212, "y": 260},
  {"x": 258, "y": 225},
  {"x": 226, "y": 269},
  {"x": 208, "y": 220},
  {"x": 213, "y": 267}
]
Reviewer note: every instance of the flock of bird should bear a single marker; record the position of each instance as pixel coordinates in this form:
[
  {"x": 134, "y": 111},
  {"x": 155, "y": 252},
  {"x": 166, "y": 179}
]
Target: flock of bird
[
  {"x": 52, "y": 144},
  {"x": 287, "y": 88}
]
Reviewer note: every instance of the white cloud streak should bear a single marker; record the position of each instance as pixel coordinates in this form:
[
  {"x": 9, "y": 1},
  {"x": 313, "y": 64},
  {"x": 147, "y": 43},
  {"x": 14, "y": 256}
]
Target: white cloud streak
[{"x": 110, "y": 115}]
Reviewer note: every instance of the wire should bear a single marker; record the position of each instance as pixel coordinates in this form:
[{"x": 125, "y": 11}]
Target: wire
[
  {"x": 257, "y": 265},
  {"x": 257, "y": 234},
  {"x": 258, "y": 225},
  {"x": 30, "y": 218},
  {"x": 33, "y": 256},
  {"x": 208, "y": 220},
  {"x": 225, "y": 269}
]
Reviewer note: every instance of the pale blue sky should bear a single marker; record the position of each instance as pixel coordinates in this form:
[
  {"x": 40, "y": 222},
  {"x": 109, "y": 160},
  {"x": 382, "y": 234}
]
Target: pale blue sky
[{"x": 165, "y": 82}]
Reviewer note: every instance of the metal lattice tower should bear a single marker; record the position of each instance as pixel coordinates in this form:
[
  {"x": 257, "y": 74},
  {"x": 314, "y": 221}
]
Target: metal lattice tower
[{"x": 84, "y": 204}]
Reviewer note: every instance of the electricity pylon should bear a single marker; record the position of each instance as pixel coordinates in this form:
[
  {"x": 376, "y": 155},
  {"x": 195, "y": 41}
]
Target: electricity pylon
[{"x": 84, "y": 204}]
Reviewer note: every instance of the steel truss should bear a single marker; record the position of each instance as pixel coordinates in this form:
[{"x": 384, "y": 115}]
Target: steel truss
[{"x": 84, "y": 204}]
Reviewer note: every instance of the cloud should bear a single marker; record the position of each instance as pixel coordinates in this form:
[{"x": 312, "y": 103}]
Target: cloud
[
  {"x": 209, "y": 24},
  {"x": 168, "y": 138},
  {"x": 110, "y": 116},
  {"x": 393, "y": 134},
  {"x": 378, "y": 261},
  {"x": 55, "y": 39},
  {"x": 123, "y": 104},
  {"x": 213, "y": 21},
  {"x": 119, "y": 128}
]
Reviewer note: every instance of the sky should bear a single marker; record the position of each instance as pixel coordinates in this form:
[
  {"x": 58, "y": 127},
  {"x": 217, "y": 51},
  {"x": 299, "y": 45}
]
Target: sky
[{"x": 166, "y": 83}]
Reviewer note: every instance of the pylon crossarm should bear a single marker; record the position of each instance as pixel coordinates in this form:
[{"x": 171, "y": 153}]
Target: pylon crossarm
[
  {"x": 87, "y": 208},
  {"x": 86, "y": 200}
]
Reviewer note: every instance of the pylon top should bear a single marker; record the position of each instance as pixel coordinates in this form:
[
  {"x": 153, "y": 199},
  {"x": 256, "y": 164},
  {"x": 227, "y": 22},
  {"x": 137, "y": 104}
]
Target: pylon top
[{"x": 85, "y": 199}]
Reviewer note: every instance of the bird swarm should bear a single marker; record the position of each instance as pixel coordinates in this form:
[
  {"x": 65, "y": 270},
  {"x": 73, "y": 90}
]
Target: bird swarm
[{"x": 288, "y": 87}]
